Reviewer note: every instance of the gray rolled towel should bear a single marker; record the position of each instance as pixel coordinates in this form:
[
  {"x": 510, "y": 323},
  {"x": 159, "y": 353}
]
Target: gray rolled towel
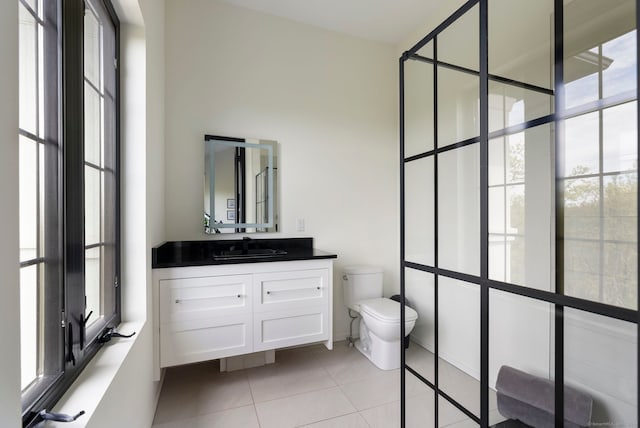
[
  {"x": 528, "y": 414},
  {"x": 540, "y": 393}
]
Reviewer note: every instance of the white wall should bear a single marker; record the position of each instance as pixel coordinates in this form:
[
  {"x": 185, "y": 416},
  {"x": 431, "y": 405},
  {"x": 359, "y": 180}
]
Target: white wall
[
  {"x": 328, "y": 99},
  {"x": 442, "y": 12},
  {"x": 143, "y": 191},
  {"x": 9, "y": 244},
  {"x": 153, "y": 12},
  {"x": 134, "y": 168}
]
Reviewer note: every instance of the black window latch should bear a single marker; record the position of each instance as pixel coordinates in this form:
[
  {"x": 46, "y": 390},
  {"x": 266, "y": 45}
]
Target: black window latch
[{"x": 110, "y": 333}]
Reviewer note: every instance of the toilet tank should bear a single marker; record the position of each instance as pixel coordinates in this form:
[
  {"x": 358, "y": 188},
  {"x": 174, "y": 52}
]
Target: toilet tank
[{"x": 361, "y": 283}]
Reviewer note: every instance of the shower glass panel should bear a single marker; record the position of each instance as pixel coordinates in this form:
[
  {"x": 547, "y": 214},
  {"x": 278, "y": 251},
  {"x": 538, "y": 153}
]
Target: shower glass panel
[
  {"x": 601, "y": 360},
  {"x": 458, "y": 108},
  {"x": 600, "y": 206},
  {"x": 419, "y": 293},
  {"x": 420, "y": 403},
  {"x": 459, "y": 341},
  {"x": 459, "y": 209},
  {"x": 418, "y": 108},
  {"x": 458, "y": 44},
  {"x": 511, "y": 105},
  {"x": 521, "y": 332},
  {"x": 419, "y": 217},
  {"x": 599, "y": 51},
  {"x": 531, "y": 188},
  {"x": 520, "y": 43},
  {"x": 520, "y": 195}
]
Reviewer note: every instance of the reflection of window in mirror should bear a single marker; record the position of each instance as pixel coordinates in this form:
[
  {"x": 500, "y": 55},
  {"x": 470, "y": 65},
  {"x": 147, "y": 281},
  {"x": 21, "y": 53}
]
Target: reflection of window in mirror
[{"x": 240, "y": 185}]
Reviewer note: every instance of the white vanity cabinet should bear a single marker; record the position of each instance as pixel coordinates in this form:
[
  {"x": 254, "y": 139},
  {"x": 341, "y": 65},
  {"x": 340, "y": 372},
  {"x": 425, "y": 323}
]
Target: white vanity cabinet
[
  {"x": 290, "y": 308},
  {"x": 217, "y": 311},
  {"x": 204, "y": 318}
]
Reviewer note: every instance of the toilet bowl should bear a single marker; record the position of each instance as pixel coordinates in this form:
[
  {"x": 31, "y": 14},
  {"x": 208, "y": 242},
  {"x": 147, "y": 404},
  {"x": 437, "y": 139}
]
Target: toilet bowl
[{"x": 380, "y": 333}]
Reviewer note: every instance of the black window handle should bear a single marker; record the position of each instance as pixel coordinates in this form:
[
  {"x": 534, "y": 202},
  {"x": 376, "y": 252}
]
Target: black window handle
[
  {"x": 110, "y": 333},
  {"x": 58, "y": 417},
  {"x": 70, "y": 357}
]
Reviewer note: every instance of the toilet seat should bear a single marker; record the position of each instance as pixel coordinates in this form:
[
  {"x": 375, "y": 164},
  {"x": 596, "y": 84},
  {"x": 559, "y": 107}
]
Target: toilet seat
[{"x": 387, "y": 310}]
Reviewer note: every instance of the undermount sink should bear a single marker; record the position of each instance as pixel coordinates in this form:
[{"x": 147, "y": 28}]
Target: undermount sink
[{"x": 246, "y": 254}]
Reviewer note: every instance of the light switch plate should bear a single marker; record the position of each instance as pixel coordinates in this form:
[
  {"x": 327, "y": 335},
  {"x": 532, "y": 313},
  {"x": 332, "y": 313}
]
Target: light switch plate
[{"x": 300, "y": 225}]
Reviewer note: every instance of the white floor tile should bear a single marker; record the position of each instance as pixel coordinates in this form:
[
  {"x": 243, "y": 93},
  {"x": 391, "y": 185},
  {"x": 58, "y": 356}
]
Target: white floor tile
[
  {"x": 177, "y": 400},
  {"x": 225, "y": 391},
  {"x": 314, "y": 387},
  {"x": 282, "y": 380},
  {"x": 352, "y": 420},
  {"x": 244, "y": 417},
  {"x": 375, "y": 391},
  {"x": 181, "y": 423},
  {"x": 385, "y": 416},
  {"x": 349, "y": 365},
  {"x": 420, "y": 411},
  {"x": 303, "y": 409}
]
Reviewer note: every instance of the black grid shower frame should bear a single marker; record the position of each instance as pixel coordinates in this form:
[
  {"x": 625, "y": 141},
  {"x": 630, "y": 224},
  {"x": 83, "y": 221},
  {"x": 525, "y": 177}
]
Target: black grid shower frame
[{"x": 557, "y": 298}]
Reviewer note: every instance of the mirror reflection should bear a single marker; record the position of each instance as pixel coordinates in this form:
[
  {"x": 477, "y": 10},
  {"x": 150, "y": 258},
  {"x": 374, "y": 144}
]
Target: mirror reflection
[{"x": 240, "y": 182}]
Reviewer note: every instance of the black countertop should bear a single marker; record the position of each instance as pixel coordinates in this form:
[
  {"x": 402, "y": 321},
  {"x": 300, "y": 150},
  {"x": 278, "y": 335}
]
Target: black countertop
[{"x": 214, "y": 252}]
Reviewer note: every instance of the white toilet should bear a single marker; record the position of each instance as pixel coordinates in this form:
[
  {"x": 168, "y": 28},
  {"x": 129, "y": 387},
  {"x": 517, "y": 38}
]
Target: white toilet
[{"x": 380, "y": 317}]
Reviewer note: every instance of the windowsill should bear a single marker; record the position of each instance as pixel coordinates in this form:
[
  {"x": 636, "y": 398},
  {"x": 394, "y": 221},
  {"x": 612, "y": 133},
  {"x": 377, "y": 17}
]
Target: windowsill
[{"x": 88, "y": 390}]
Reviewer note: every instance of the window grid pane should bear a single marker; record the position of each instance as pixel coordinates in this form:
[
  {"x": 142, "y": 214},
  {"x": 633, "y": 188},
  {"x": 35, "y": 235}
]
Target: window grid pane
[
  {"x": 28, "y": 199},
  {"x": 41, "y": 200},
  {"x": 97, "y": 201},
  {"x": 29, "y": 321},
  {"x": 42, "y": 45},
  {"x": 93, "y": 209},
  {"x": 32, "y": 195},
  {"x": 93, "y": 281},
  {"x": 92, "y": 47},
  {"x": 92, "y": 125},
  {"x": 28, "y": 65},
  {"x": 40, "y": 77}
]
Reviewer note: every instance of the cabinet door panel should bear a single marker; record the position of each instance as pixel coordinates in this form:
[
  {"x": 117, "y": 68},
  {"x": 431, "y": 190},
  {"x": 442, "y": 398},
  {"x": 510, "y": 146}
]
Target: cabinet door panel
[
  {"x": 200, "y": 340},
  {"x": 201, "y": 298},
  {"x": 289, "y": 328},
  {"x": 280, "y": 291}
]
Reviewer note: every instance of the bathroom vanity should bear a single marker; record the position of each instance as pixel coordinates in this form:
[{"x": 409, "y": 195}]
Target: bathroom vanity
[{"x": 223, "y": 298}]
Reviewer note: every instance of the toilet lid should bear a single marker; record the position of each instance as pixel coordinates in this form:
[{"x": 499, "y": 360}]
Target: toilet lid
[{"x": 387, "y": 310}]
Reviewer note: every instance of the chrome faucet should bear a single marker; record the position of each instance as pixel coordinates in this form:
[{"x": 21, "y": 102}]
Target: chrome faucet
[{"x": 245, "y": 244}]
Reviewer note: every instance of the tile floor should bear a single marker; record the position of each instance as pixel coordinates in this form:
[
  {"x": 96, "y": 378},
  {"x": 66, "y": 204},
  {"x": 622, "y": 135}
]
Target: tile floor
[{"x": 312, "y": 387}]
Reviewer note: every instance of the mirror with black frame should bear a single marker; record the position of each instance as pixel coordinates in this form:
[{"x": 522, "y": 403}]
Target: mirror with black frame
[{"x": 240, "y": 182}]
